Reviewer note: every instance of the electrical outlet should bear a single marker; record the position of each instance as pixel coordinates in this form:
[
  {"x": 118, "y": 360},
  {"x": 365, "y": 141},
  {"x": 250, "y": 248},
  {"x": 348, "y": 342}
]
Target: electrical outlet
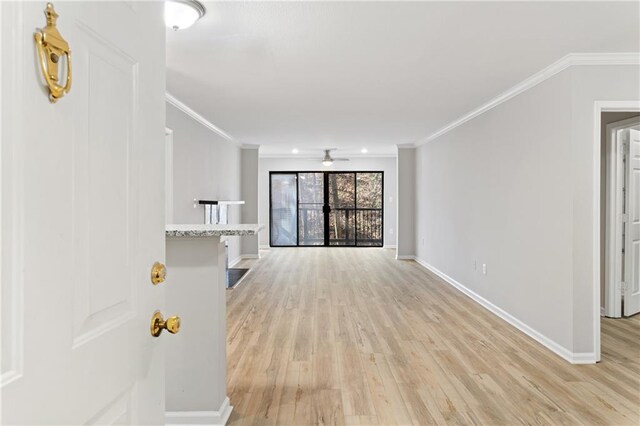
[
  {"x": 391, "y": 231},
  {"x": 195, "y": 203},
  {"x": 391, "y": 199},
  {"x": 475, "y": 265},
  {"x": 423, "y": 242},
  {"x": 484, "y": 269}
]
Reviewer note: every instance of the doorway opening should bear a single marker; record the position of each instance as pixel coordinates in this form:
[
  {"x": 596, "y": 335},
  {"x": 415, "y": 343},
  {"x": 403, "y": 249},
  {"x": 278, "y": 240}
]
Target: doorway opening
[
  {"x": 311, "y": 209},
  {"x": 617, "y": 283},
  {"x": 621, "y": 276}
]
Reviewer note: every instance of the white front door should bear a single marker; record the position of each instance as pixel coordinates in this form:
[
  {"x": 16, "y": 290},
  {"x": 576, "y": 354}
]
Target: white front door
[
  {"x": 632, "y": 225},
  {"x": 82, "y": 217}
]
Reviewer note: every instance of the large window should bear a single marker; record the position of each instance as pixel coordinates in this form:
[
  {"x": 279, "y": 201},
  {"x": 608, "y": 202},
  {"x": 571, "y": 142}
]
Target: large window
[{"x": 327, "y": 209}]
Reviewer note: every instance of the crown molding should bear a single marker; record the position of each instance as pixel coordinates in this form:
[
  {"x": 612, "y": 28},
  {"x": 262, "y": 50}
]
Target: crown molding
[
  {"x": 250, "y": 146},
  {"x": 406, "y": 146},
  {"x": 572, "y": 59},
  {"x": 200, "y": 119}
]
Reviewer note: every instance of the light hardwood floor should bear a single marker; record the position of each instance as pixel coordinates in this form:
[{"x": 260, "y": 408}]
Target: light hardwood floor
[{"x": 352, "y": 336}]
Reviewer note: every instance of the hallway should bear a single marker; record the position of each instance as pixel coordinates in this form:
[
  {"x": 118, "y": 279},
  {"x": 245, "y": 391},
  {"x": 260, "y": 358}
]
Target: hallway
[{"x": 352, "y": 336}]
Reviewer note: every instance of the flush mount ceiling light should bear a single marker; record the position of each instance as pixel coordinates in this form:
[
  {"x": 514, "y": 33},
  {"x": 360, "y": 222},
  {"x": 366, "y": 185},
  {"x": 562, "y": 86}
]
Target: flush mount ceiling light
[{"x": 181, "y": 14}]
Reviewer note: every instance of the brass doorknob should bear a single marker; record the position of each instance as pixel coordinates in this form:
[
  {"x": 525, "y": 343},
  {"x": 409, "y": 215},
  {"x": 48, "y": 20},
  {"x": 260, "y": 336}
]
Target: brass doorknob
[
  {"x": 158, "y": 323},
  {"x": 158, "y": 273}
]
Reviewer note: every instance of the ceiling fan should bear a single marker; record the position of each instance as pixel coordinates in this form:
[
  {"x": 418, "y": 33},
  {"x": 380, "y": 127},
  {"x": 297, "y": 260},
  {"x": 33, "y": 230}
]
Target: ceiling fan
[{"x": 328, "y": 160}]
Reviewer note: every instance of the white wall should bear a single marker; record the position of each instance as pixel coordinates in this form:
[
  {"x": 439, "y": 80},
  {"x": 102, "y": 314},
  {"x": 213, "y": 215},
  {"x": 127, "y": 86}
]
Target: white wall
[
  {"x": 514, "y": 188},
  {"x": 205, "y": 166},
  {"x": 249, "y": 212},
  {"x": 385, "y": 164},
  {"x": 590, "y": 84},
  {"x": 406, "y": 203}
]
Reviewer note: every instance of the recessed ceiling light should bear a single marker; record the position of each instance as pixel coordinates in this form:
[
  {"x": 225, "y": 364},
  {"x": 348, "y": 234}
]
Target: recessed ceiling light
[
  {"x": 294, "y": 151},
  {"x": 181, "y": 14},
  {"x": 364, "y": 150}
]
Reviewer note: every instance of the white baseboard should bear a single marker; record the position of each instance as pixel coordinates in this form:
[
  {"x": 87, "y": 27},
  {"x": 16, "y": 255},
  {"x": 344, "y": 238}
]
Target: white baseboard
[
  {"x": 389, "y": 246},
  {"x": 602, "y": 312},
  {"x": 235, "y": 261},
  {"x": 250, "y": 256},
  {"x": 583, "y": 358},
  {"x": 405, "y": 257},
  {"x": 200, "y": 418},
  {"x": 574, "y": 358},
  {"x": 265, "y": 247}
]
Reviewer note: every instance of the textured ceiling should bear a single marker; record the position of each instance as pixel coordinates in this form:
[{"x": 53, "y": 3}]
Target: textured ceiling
[{"x": 349, "y": 75}]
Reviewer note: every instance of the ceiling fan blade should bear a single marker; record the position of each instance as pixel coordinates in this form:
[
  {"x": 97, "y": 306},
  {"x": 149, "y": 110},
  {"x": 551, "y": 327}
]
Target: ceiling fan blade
[{"x": 322, "y": 159}]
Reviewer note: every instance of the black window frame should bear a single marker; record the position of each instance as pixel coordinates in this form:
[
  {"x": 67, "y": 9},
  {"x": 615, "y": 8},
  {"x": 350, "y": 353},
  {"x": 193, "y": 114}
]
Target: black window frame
[{"x": 326, "y": 174}]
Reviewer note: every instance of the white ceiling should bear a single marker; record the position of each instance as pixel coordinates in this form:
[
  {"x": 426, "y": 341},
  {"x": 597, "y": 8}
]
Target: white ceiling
[{"x": 312, "y": 75}]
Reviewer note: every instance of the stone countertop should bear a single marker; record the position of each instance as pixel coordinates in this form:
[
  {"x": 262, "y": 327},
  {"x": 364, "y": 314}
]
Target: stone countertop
[{"x": 199, "y": 230}]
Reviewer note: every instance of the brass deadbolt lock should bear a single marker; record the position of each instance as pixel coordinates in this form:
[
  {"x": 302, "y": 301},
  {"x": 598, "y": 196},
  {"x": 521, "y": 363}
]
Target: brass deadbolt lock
[
  {"x": 158, "y": 323},
  {"x": 158, "y": 273}
]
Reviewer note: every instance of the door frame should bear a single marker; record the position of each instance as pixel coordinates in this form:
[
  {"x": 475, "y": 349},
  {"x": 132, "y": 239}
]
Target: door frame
[
  {"x": 598, "y": 109},
  {"x": 325, "y": 174},
  {"x": 613, "y": 226}
]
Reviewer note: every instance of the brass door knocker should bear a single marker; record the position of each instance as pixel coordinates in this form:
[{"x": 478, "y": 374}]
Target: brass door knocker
[{"x": 51, "y": 48}]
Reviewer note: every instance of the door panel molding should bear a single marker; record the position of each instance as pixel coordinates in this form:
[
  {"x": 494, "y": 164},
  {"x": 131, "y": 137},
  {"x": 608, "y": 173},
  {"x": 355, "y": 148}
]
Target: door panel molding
[
  {"x": 104, "y": 158},
  {"x": 118, "y": 412}
]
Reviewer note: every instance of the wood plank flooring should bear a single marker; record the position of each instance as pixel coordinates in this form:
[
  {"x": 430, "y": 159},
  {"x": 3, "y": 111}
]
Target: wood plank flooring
[{"x": 353, "y": 336}]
